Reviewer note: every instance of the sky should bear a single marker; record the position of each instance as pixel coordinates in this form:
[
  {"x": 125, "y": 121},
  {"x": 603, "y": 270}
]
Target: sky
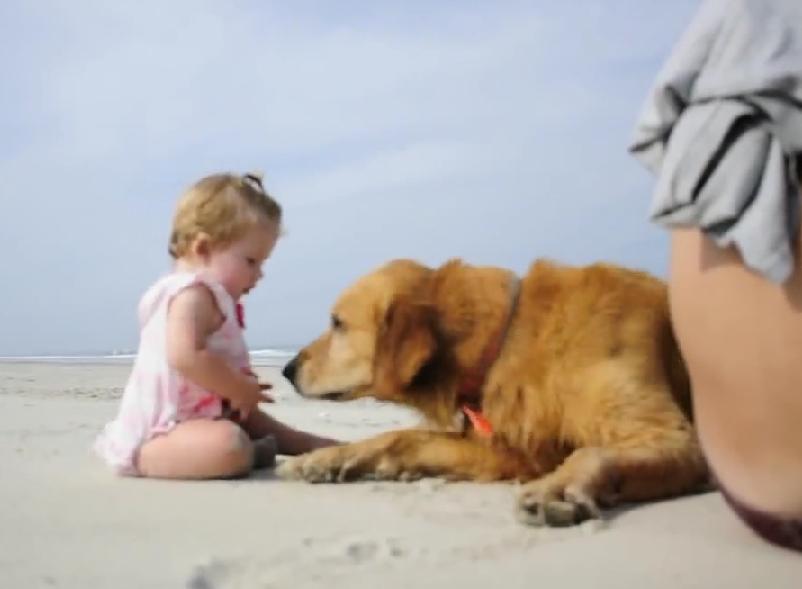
[{"x": 495, "y": 132}]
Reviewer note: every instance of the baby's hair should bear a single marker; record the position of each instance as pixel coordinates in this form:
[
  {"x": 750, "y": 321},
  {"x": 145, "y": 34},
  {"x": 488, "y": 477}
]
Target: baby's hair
[{"x": 223, "y": 207}]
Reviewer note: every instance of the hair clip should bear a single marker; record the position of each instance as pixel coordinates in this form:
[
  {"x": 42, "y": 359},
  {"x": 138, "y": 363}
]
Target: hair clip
[{"x": 255, "y": 179}]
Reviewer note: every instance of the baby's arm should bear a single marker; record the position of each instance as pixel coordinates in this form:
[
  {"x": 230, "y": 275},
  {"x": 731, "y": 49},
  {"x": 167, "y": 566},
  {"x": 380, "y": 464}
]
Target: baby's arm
[{"x": 191, "y": 318}]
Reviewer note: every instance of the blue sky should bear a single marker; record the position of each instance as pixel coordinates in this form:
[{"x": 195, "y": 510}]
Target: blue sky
[{"x": 491, "y": 131}]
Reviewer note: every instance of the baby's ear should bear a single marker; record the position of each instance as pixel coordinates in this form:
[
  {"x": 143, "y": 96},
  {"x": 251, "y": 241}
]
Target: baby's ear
[
  {"x": 407, "y": 341},
  {"x": 201, "y": 245}
]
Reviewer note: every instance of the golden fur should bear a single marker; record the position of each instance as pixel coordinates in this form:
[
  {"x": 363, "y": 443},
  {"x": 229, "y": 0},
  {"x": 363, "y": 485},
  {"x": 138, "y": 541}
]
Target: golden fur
[{"x": 588, "y": 399}]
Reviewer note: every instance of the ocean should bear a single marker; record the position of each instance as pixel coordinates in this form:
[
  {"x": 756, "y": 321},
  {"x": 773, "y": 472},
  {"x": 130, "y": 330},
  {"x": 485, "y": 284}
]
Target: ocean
[{"x": 259, "y": 357}]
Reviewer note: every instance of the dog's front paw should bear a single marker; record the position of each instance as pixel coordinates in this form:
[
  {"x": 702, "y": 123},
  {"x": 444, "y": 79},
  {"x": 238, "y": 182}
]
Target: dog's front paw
[
  {"x": 337, "y": 464},
  {"x": 319, "y": 466},
  {"x": 351, "y": 462},
  {"x": 547, "y": 502}
]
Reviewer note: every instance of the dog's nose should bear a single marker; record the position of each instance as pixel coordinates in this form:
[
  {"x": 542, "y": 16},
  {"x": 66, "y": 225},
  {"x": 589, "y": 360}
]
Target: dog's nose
[{"x": 290, "y": 370}]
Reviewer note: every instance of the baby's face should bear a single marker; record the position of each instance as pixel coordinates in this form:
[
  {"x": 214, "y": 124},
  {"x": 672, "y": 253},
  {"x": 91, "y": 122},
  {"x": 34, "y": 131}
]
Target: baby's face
[{"x": 238, "y": 266}]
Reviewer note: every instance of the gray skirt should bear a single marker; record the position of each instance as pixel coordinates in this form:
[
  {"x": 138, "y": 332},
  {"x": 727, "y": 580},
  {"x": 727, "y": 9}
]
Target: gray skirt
[{"x": 722, "y": 130}]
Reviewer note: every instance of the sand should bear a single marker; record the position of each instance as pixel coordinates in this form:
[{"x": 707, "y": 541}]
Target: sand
[{"x": 65, "y": 521}]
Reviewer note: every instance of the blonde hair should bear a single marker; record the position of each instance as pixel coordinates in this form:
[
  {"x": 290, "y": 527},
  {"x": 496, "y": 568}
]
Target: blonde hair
[{"x": 223, "y": 207}]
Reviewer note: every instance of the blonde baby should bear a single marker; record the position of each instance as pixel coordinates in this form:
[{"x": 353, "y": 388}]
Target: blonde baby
[{"x": 190, "y": 409}]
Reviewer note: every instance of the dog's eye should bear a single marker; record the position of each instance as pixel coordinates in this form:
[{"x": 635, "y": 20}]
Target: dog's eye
[{"x": 336, "y": 323}]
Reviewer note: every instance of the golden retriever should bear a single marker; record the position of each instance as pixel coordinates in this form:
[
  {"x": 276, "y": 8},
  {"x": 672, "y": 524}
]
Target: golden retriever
[{"x": 572, "y": 376}]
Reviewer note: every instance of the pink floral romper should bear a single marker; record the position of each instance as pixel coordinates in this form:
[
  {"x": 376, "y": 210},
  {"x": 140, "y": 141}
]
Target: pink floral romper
[{"x": 156, "y": 397}]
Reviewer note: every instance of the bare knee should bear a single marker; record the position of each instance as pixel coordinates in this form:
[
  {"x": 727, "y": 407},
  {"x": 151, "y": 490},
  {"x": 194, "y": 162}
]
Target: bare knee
[
  {"x": 233, "y": 449},
  {"x": 199, "y": 449}
]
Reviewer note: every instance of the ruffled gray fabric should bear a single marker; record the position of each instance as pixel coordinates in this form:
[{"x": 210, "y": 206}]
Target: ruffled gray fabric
[{"x": 722, "y": 129}]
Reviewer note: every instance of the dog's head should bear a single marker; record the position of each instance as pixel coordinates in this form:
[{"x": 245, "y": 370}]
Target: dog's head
[
  {"x": 406, "y": 334},
  {"x": 383, "y": 333}
]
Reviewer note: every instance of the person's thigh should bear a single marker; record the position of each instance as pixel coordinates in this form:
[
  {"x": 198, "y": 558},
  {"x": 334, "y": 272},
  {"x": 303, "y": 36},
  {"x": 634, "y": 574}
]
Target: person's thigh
[
  {"x": 197, "y": 449},
  {"x": 741, "y": 337}
]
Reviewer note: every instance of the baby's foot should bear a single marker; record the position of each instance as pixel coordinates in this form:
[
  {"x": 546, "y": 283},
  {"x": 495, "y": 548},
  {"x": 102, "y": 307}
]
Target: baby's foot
[{"x": 264, "y": 452}]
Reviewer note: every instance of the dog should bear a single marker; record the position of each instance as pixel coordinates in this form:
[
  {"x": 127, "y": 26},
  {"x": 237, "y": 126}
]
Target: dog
[{"x": 568, "y": 380}]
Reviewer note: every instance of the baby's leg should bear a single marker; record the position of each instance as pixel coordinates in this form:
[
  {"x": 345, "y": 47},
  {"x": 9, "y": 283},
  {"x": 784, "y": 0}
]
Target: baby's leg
[
  {"x": 288, "y": 440},
  {"x": 198, "y": 449}
]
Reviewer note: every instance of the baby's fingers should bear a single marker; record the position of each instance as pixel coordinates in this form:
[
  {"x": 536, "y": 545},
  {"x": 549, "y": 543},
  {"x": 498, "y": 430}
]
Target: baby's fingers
[{"x": 264, "y": 397}]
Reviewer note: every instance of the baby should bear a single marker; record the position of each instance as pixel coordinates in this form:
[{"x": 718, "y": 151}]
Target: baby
[{"x": 190, "y": 407}]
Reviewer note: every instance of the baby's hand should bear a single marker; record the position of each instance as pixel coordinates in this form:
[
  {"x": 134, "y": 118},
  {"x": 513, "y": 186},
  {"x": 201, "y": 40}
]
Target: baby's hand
[
  {"x": 263, "y": 386},
  {"x": 250, "y": 395}
]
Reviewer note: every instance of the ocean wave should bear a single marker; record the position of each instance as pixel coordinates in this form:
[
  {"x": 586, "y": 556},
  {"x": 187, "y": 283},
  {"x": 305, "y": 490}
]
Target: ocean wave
[{"x": 277, "y": 352}]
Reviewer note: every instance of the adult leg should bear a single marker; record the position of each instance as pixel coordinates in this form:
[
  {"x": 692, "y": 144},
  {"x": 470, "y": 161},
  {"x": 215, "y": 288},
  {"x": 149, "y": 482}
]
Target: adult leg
[{"x": 741, "y": 337}]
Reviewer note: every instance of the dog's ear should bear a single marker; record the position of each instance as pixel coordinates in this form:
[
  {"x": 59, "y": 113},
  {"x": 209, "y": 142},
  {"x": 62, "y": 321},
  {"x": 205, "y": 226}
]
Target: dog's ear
[{"x": 407, "y": 341}]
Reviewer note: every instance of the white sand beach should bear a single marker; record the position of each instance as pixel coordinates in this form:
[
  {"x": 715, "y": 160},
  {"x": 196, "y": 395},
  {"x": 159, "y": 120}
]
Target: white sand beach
[{"x": 65, "y": 521}]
